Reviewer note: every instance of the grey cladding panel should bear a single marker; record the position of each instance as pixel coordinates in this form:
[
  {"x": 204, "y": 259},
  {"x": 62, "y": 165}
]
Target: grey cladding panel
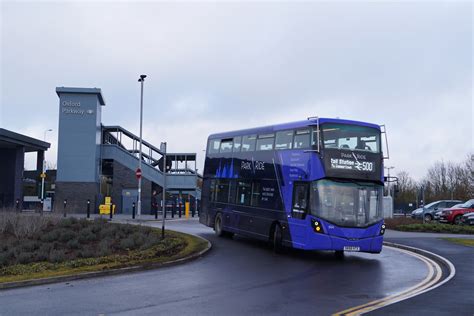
[{"x": 79, "y": 137}]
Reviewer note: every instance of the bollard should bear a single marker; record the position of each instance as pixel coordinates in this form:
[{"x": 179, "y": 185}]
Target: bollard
[
  {"x": 18, "y": 205},
  {"x": 88, "y": 208},
  {"x": 179, "y": 210},
  {"x": 133, "y": 210},
  {"x": 111, "y": 210},
  {"x": 64, "y": 211},
  {"x": 165, "y": 210},
  {"x": 192, "y": 212},
  {"x": 156, "y": 212}
]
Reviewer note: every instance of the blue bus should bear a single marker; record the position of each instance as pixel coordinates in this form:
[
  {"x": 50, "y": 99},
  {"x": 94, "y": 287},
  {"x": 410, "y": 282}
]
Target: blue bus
[{"x": 315, "y": 184}]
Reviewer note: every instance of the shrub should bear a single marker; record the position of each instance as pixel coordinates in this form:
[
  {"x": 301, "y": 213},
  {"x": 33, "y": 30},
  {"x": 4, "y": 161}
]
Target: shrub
[
  {"x": 105, "y": 247},
  {"x": 6, "y": 257},
  {"x": 25, "y": 257},
  {"x": 108, "y": 231},
  {"x": 67, "y": 235},
  {"x": 42, "y": 254},
  {"x": 68, "y": 222},
  {"x": 51, "y": 236},
  {"x": 73, "y": 244},
  {"x": 393, "y": 223},
  {"x": 437, "y": 228},
  {"x": 138, "y": 239},
  {"x": 46, "y": 240},
  {"x": 86, "y": 252},
  {"x": 57, "y": 256},
  {"x": 30, "y": 245},
  {"x": 127, "y": 243},
  {"x": 87, "y": 235}
]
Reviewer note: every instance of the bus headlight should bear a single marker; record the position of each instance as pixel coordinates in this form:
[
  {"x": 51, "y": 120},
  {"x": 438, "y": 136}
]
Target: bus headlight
[
  {"x": 382, "y": 229},
  {"x": 317, "y": 227}
]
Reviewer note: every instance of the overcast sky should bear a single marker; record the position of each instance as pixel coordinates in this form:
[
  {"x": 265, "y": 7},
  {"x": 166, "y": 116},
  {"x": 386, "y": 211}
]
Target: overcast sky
[{"x": 214, "y": 67}]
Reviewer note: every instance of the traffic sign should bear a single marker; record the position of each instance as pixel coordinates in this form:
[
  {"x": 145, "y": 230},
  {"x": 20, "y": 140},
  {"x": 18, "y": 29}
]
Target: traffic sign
[
  {"x": 43, "y": 175},
  {"x": 138, "y": 173}
]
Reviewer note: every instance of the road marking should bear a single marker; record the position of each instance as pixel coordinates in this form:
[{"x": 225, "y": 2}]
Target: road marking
[{"x": 428, "y": 283}]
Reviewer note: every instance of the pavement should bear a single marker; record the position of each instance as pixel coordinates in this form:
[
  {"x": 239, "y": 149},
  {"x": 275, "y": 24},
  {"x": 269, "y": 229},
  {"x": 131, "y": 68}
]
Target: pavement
[{"x": 238, "y": 276}]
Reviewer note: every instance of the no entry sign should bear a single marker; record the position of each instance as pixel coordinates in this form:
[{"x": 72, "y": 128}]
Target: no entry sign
[{"x": 138, "y": 173}]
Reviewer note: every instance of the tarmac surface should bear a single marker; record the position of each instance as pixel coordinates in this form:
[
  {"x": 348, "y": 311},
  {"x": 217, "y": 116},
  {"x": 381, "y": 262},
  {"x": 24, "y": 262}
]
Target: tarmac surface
[{"x": 238, "y": 276}]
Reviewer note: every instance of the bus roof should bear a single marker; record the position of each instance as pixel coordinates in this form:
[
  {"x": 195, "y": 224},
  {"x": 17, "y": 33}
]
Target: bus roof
[{"x": 290, "y": 125}]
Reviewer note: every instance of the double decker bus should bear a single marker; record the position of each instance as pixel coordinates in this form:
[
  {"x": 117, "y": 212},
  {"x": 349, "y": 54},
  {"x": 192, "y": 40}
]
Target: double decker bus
[{"x": 315, "y": 184}]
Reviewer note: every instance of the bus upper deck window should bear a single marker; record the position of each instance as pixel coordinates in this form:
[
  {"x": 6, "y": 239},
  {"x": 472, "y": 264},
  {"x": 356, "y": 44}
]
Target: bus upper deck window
[
  {"x": 237, "y": 143},
  {"x": 214, "y": 145},
  {"x": 248, "y": 143},
  {"x": 265, "y": 142},
  {"x": 284, "y": 140},
  {"x": 226, "y": 145},
  {"x": 302, "y": 139}
]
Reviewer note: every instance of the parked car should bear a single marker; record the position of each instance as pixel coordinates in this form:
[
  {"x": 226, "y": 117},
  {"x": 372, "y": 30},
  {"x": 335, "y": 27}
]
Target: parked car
[
  {"x": 453, "y": 216},
  {"x": 427, "y": 212},
  {"x": 438, "y": 213},
  {"x": 468, "y": 219}
]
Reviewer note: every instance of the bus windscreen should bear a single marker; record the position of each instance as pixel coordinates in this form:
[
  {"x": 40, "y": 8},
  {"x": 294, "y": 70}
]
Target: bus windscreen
[{"x": 350, "y": 204}]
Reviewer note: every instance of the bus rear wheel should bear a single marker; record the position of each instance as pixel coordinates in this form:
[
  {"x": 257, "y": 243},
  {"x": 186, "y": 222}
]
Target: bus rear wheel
[
  {"x": 339, "y": 254},
  {"x": 277, "y": 239}
]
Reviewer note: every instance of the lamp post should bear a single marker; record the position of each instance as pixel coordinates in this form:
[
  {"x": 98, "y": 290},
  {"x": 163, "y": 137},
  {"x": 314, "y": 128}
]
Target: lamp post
[
  {"x": 139, "y": 206},
  {"x": 163, "y": 150},
  {"x": 44, "y": 169}
]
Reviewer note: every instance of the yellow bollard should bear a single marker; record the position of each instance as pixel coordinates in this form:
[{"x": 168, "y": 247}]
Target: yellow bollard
[{"x": 186, "y": 210}]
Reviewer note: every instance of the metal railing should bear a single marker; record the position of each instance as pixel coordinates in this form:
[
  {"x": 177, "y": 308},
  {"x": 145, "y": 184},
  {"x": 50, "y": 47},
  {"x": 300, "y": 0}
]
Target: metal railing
[{"x": 153, "y": 156}]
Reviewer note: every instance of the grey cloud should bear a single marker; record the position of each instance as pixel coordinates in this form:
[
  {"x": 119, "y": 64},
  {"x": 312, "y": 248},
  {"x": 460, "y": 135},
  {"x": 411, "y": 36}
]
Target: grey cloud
[{"x": 214, "y": 67}]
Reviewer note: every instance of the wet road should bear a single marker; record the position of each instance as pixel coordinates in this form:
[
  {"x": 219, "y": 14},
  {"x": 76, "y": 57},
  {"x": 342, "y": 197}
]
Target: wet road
[
  {"x": 454, "y": 297},
  {"x": 238, "y": 276}
]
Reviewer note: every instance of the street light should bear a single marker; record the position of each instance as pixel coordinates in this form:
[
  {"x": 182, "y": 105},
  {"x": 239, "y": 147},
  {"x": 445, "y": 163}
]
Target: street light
[
  {"x": 163, "y": 151},
  {"x": 139, "y": 208},
  {"x": 44, "y": 169}
]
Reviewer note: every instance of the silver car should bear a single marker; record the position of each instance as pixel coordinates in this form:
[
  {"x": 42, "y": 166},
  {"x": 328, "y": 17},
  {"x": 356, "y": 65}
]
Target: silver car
[{"x": 428, "y": 211}]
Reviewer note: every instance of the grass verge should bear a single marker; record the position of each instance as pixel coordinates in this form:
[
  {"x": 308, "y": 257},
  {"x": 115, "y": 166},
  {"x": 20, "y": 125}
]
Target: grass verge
[
  {"x": 461, "y": 241},
  {"x": 126, "y": 246}
]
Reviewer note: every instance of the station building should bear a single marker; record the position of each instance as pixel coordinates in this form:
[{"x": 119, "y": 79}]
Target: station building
[
  {"x": 96, "y": 161},
  {"x": 13, "y": 147}
]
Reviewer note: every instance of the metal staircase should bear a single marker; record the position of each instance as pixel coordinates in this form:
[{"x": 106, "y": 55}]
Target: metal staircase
[{"x": 123, "y": 146}]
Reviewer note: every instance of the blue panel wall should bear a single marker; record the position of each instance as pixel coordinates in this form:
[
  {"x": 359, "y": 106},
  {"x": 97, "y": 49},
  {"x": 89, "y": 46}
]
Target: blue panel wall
[{"x": 79, "y": 134}]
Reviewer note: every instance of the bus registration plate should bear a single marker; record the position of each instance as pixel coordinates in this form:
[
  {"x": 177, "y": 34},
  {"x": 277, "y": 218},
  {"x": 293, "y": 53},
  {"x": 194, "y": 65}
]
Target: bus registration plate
[{"x": 351, "y": 248}]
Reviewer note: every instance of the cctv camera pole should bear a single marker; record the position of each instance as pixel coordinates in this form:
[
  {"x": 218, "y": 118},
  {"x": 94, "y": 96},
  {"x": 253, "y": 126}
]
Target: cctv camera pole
[{"x": 139, "y": 209}]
